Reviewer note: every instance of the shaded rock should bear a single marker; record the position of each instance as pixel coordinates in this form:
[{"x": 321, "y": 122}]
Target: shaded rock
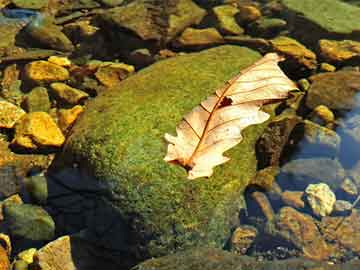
[
  {"x": 329, "y": 19},
  {"x": 293, "y": 198},
  {"x": 125, "y": 147},
  {"x": 344, "y": 231},
  {"x": 301, "y": 230},
  {"x": 261, "y": 199},
  {"x": 349, "y": 187},
  {"x": 9, "y": 114},
  {"x": 199, "y": 38},
  {"x": 11, "y": 84},
  {"x": 30, "y": 4},
  {"x": 354, "y": 174},
  {"x": 352, "y": 127},
  {"x": 67, "y": 94},
  {"x": 336, "y": 90},
  {"x": 45, "y": 72},
  {"x": 111, "y": 74},
  {"x": 6, "y": 243},
  {"x": 4, "y": 259},
  {"x": 259, "y": 44},
  {"x": 15, "y": 199},
  {"x": 43, "y": 30},
  {"x": 37, "y": 100},
  {"x": 265, "y": 178},
  {"x": 248, "y": 13},
  {"x": 335, "y": 51},
  {"x": 29, "y": 222},
  {"x": 37, "y": 188},
  {"x": 67, "y": 117},
  {"x": 37, "y": 130},
  {"x": 324, "y": 114},
  {"x": 20, "y": 265},
  {"x": 60, "y": 61},
  {"x": 8, "y": 33},
  {"x": 320, "y": 198},
  {"x": 267, "y": 27},
  {"x": 225, "y": 20},
  {"x": 298, "y": 53},
  {"x": 304, "y": 84},
  {"x": 210, "y": 259},
  {"x": 242, "y": 238},
  {"x": 112, "y": 3},
  {"x": 27, "y": 255},
  {"x": 302, "y": 171},
  {"x": 326, "y": 67},
  {"x": 341, "y": 206}
]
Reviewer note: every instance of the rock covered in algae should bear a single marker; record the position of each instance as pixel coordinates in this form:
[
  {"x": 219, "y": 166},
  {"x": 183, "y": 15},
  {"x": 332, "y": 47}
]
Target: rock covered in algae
[{"x": 120, "y": 137}]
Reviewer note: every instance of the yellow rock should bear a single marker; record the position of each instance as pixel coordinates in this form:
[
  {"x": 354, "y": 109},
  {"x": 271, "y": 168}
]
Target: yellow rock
[
  {"x": 5, "y": 243},
  {"x": 45, "y": 72},
  {"x": 67, "y": 117},
  {"x": 338, "y": 51},
  {"x": 248, "y": 13},
  {"x": 60, "y": 61},
  {"x": 27, "y": 255},
  {"x": 324, "y": 113},
  {"x": 110, "y": 74},
  {"x": 37, "y": 130},
  {"x": 16, "y": 199},
  {"x": 326, "y": 67},
  {"x": 4, "y": 259},
  {"x": 9, "y": 114},
  {"x": 68, "y": 94}
]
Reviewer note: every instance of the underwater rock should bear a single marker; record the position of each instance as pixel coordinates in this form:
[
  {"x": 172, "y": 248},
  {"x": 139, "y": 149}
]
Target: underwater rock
[
  {"x": 37, "y": 100},
  {"x": 349, "y": 187},
  {"x": 320, "y": 198},
  {"x": 266, "y": 27},
  {"x": 110, "y": 74},
  {"x": 60, "y": 61},
  {"x": 29, "y": 222},
  {"x": 45, "y": 72},
  {"x": 342, "y": 206},
  {"x": 198, "y": 38},
  {"x": 9, "y": 114},
  {"x": 67, "y": 94},
  {"x": 301, "y": 230},
  {"x": 37, "y": 131},
  {"x": 295, "y": 51},
  {"x": 225, "y": 20},
  {"x": 336, "y": 90},
  {"x": 265, "y": 178},
  {"x": 326, "y": 67},
  {"x": 259, "y": 44},
  {"x": 242, "y": 238},
  {"x": 27, "y": 255},
  {"x": 293, "y": 198},
  {"x": 67, "y": 117},
  {"x": 30, "y": 4},
  {"x": 335, "y": 51},
  {"x": 4, "y": 259},
  {"x": 248, "y": 13},
  {"x": 36, "y": 187},
  {"x": 323, "y": 113},
  {"x": 121, "y": 135},
  {"x": 264, "y": 204},
  {"x": 329, "y": 19}
]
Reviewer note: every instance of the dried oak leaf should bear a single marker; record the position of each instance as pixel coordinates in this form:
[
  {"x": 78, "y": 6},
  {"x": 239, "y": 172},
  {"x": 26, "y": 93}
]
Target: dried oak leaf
[{"x": 216, "y": 124}]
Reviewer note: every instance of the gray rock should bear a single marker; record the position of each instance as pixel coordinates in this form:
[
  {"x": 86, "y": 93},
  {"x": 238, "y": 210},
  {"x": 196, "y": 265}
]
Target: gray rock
[
  {"x": 349, "y": 187},
  {"x": 342, "y": 206}
]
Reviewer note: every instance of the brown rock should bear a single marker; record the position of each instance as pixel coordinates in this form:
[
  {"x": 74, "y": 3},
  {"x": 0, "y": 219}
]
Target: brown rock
[
  {"x": 9, "y": 114},
  {"x": 67, "y": 117},
  {"x": 339, "y": 51},
  {"x": 301, "y": 230},
  {"x": 112, "y": 74},
  {"x": 248, "y": 13},
  {"x": 4, "y": 259},
  {"x": 199, "y": 38},
  {"x": 242, "y": 238},
  {"x": 293, "y": 198},
  {"x": 45, "y": 72},
  {"x": 265, "y": 177},
  {"x": 264, "y": 204},
  {"x": 68, "y": 94},
  {"x": 37, "y": 130},
  {"x": 225, "y": 20}
]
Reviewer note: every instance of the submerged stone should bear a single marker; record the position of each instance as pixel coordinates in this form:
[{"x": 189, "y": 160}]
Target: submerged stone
[
  {"x": 339, "y": 51},
  {"x": 118, "y": 140},
  {"x": 320, "y": 198}
]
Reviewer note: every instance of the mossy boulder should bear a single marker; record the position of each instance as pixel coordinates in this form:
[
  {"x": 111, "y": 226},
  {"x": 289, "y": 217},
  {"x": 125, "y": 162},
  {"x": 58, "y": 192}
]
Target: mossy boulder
[
  {"x": 331, "y": 19},
  {"x": 119, "y": 140}
]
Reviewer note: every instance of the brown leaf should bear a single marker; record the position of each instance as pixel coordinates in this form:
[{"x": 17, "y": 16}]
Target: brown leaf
[{"x": 216, "y": 124}]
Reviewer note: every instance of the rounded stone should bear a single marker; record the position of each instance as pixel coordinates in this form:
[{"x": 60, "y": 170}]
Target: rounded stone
[
  {"x": 320, "y": 198},
  {"x": 45, "y": 72}
]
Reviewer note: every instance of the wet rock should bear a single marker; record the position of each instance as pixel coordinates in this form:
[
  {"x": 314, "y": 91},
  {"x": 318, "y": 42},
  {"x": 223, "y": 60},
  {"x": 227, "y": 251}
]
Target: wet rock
[
  {"x": 225, "y": 20},
  {"x": 259, "y": 44},
  {"x": 11, "y": 84},
  {"x": 37, "y": 100},
  {"x": 32, "y": 4},
  {"x": 339, "y": 52},
  {"x": 349, "y": 187},
  {"x": 5, "y": 243},
  {"x": 131, "y": 135},
  {"x": 261, "y": 199},
  {"x": 341, "y": 206},
  {"x": 112, "y": 3},
  {"x": 48, "y": 34},
  {"x": 294, "y": 50},
  {"x": 344, "y": 231},
  {"x": 20, "y": 265},
  {"x": 320, "y": 198},
  {"x": 248, "y": 13},
  {"x": 323, "y": 113},
  {"x": 29, "y": 222},
  {"x": 8, "y": 33},
  {"x": 293, "y": 198},
  {"x": 37, "y": 131},
  {"x": 9, "y": 114},
  {"x": 242, "y": 238},
  {"x": 210, "y": 259},
  {"x": 27, "y": 255},
  {"x": 15, "y": 199},
  {"x": 111, "y": 74},
  {"x": 304, "y": 84},
  {"x": 37, "y": 188},
  {"x": 60, "y": 61},
  {"x": 301, "y": 230},
  {"x": 354, "y": 174},
  {"x": 336, "y": 90},
  {"x": 45, "y": 72},
  {"x": 265, "y": 178},
  {"x": 267, "y": 27},
  {"x": 324, "y": 140},
  {"x": 4, "y": 259},
  {"x": 326, "y": 67},
  {"x": 67, "y": 117},
  {"x": 324, "y": 20},
  {"x": 67, "y": 94},
  {"x": 199, "y": 38},
  {"x": 302, "y": 171}
]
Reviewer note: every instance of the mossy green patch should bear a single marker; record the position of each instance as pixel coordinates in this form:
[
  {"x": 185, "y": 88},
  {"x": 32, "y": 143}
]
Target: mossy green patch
[{"x": 120, "y": 140}]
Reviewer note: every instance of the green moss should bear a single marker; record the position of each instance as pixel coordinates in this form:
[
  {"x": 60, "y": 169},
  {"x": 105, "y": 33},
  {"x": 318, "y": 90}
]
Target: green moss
[{"x": 120, "y": 140}]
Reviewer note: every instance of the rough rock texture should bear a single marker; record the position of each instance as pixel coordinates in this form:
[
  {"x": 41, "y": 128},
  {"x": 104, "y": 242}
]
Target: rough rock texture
[
  {"x": 293, "y": 198},
  {"x": 320, "y": 198},
  {"x": 45, "y": 72},
  {"x": 336, "y": 90},
  {"x": 215, "y": 259},
  {"x": 9, "y": 114},
  {"x": 67, "y": 94},
  {"x": 119, "y": 140},
  {"x": 335, "y": 51},
  {"x": 4, "y": 259},
  {"x": 330, "y": 19},
  {"x": 225, "y": 19},
  {"x": 242, "y": 238},
  {"x": 199, "y": 38},
  {"x": 37, "y": 100}
]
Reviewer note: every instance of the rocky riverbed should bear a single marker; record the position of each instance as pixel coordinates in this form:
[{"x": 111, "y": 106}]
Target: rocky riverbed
[{"x": 88, "y": 88}]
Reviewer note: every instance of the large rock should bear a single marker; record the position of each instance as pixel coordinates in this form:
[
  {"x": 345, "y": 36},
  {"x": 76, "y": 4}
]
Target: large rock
[
  {"x": 336, "y": 90},
  {"x": 330, "y": 19},
  {"x": 119, "y": 141}
]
